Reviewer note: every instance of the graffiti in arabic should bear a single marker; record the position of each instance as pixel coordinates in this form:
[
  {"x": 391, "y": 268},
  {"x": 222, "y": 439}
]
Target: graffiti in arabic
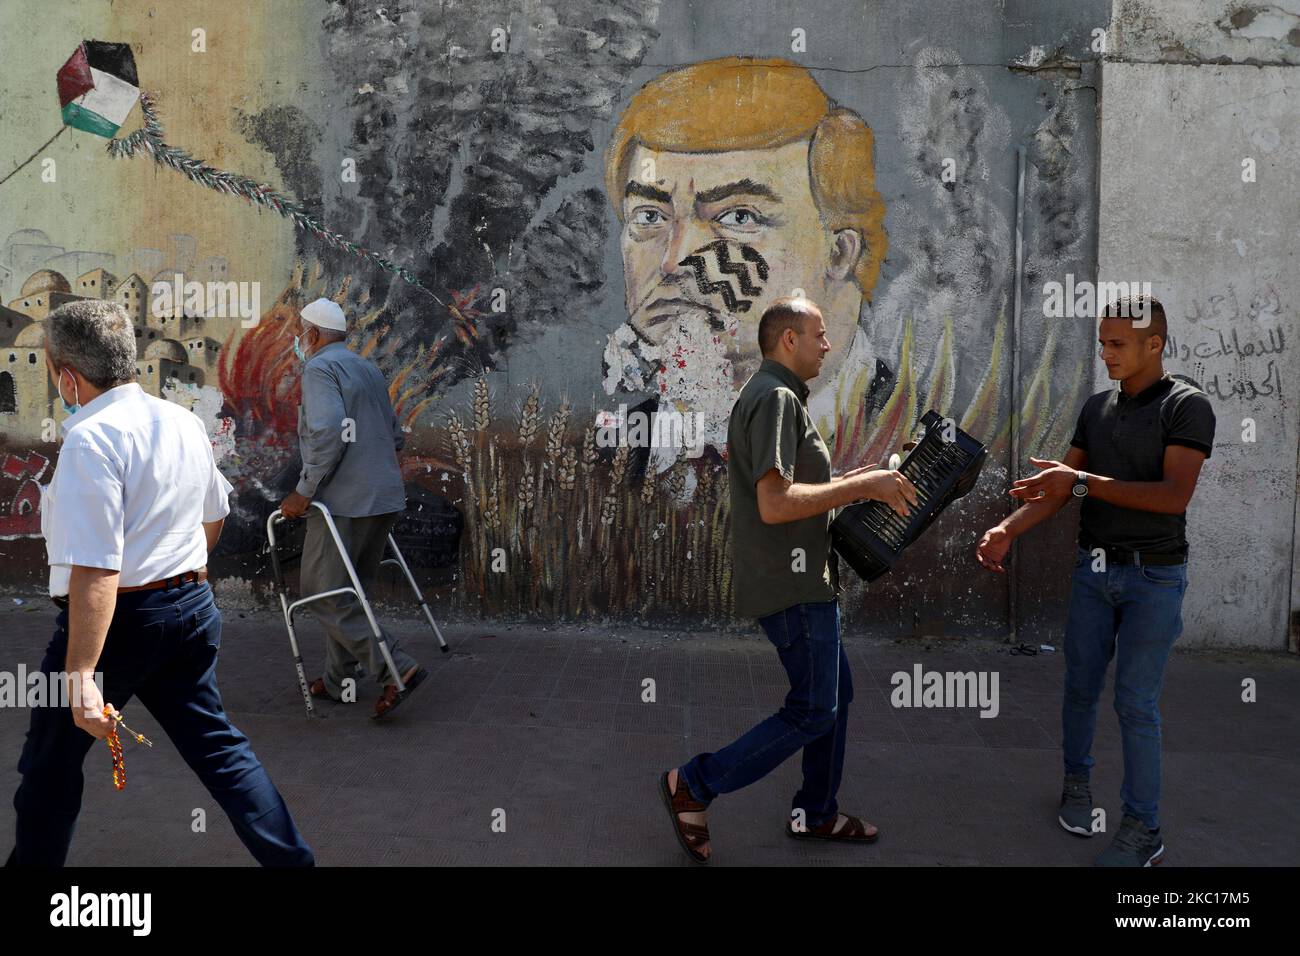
[
  {"x": 1227, "y": 306},
  {"x": 1245, "y": 387},
  {"x": 1226, "y": 345}
]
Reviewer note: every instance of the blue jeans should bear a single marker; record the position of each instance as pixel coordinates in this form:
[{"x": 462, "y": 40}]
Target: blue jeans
[
  {"x": 814, "y": 718},
  {"x": 1138, "y": 608},
  {"x": 161, "y": 647}
]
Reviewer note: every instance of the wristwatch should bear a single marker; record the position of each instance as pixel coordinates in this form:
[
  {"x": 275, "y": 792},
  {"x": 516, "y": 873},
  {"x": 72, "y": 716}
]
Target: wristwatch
[{"x": 1080, "y": 488}]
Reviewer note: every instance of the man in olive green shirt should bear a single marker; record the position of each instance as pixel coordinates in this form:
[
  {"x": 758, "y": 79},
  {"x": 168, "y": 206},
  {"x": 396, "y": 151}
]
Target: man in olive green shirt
[
  {"x": 782, "y": 500},
  {"x": 777, "y": 565}
]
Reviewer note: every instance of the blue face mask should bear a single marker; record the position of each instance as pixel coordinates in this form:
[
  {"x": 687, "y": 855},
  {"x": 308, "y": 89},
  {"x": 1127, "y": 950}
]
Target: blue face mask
[
  {"x": 76, "y": 406},
  {"x": 297, "y": 350}
]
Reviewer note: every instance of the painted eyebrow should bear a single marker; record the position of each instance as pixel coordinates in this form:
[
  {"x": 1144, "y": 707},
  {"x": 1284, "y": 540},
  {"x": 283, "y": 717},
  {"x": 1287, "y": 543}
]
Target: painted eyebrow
[
  {"x": 744, "y": 187},
  {"x": 647, "y": 192}
]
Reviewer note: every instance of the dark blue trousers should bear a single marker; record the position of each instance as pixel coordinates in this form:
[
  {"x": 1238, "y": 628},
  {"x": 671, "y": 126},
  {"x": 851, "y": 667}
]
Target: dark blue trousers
[
  {"x": 162, "y": 648},
  {"x": 814, "y": 719}
]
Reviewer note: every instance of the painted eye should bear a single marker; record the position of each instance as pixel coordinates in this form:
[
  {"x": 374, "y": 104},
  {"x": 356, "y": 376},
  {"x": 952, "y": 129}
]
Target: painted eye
[
  {"x": 646, "y": 216},
  {"x": 739, "y": 217}
]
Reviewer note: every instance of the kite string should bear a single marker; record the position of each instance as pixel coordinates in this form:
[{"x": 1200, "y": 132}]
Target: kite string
[
  {"x": 149, "y": 139},
  {"x": 38, "y": 152}
]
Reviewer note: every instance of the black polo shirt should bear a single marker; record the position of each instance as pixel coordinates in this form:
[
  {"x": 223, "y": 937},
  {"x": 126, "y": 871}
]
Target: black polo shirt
[{"x": 1125, "y": 438}]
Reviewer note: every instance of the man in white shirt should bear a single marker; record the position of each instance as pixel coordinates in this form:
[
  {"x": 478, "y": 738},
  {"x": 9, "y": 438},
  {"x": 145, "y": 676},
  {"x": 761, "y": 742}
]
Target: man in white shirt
[{"x": 135, "y": 505}]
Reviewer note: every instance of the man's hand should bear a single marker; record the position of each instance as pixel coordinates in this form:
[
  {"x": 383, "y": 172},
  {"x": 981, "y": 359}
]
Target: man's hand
[
  {"x": 88, "y": 706},
  {"x": 891, "y": 487},
  {"x": 1053, "y": 482},
  {"x": 295, "y": 506},
  {"x": 92, "y": 601},
  {"x": 993, "y": 547},
  {"x": 857, "y": 471}
]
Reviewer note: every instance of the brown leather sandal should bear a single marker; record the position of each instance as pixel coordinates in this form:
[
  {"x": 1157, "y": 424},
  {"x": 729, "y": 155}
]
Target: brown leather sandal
[
  {"x": 317, "y": 690},
  {"x": 390, "y": 700},
  {"x": 853, "y": 831},
  {"x": 691, "y": 836}
]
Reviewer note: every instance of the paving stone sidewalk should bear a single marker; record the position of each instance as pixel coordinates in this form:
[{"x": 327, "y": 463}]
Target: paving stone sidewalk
[{"x": 548, "y": 727}]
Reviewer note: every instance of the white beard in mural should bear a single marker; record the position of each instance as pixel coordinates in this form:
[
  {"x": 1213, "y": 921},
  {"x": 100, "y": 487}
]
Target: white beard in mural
[
  {"x": 692, "y": 370},
  {"x": 683, "y": 344}
]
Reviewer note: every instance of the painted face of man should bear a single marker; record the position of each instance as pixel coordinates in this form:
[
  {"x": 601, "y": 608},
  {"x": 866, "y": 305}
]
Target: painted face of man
[{"x": 710, "y": 239}]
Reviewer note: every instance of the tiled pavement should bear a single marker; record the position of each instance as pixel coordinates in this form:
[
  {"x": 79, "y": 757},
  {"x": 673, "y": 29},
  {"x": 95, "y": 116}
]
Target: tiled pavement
[{"x": 549, "y": 727}]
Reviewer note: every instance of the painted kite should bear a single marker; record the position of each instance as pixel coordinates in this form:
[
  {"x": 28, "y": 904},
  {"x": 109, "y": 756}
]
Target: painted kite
[{"x": 98, "y": 87}]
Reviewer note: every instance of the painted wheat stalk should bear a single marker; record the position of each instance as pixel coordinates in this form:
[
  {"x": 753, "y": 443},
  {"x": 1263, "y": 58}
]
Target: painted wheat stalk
[
  {"x": 492, "y": 506},
  {"x": 530, "y": 416},
  {"x": 567, "y": 473},
  {"x": 589, "y": 456},
  {"x": 480, "y": 475},
  {"x": 587, "y": 468},
  {"x": 482, "y": 406},
  {"x": 590, "y": 538},
  {"x": 527, "y": 493},
  {"x": 701, "y": 539},
  {"x": 618, "y": 469},
  {"x": 555, "y": 432},
  {"x": 458, "y": 438}
]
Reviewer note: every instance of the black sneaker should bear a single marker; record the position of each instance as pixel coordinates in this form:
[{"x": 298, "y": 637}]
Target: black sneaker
[
  {"x": 1134, "y": 845},
  {"x": 1076, "y": 806}
]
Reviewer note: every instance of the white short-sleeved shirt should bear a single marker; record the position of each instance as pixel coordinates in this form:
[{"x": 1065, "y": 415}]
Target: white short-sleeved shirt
[{"x": 135, "y": 481}]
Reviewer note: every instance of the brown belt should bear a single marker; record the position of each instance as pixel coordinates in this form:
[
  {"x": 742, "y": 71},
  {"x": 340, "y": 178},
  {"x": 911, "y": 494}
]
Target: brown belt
[{"x": 173, "y": 582}]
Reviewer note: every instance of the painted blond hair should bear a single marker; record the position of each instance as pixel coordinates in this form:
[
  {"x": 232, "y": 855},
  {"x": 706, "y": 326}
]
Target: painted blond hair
[{"x": 737, "y": 103}]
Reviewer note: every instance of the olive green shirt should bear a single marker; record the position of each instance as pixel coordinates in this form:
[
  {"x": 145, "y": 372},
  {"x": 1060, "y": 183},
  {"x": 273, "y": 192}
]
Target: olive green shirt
[{"x": 777, "y": 565}]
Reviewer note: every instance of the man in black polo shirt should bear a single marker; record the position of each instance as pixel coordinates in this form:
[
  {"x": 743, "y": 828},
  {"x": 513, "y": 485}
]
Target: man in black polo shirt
[{"x": 1142, "y": 444}]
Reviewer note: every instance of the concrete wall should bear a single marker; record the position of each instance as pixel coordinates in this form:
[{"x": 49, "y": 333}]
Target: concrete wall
[
  {"x": 467, "y": 142},
  {"x": 1185, "y": 105}
]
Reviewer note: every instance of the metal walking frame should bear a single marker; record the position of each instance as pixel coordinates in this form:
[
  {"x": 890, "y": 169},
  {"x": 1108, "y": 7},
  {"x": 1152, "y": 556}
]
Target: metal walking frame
[{"x": 290, "y": 607}]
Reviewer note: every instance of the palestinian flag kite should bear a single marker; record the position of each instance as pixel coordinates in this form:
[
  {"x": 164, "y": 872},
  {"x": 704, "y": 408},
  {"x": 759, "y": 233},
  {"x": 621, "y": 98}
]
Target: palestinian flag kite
[{"x": 98, "y": 87}]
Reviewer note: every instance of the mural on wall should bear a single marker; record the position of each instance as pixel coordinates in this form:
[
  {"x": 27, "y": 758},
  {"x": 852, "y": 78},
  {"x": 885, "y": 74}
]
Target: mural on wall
[
  {"x": 177, "y": 348},
  {"x": 738, "y": 182},
  {"x": 750, "y": 160},
  {"x": 723, "y": 185},
  {"x": 20, "y": 515}
]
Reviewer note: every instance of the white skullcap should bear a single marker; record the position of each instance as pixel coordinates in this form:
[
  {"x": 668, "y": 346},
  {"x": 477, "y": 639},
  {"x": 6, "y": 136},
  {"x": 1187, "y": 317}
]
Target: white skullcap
[{"x": 326, "y": 314}]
